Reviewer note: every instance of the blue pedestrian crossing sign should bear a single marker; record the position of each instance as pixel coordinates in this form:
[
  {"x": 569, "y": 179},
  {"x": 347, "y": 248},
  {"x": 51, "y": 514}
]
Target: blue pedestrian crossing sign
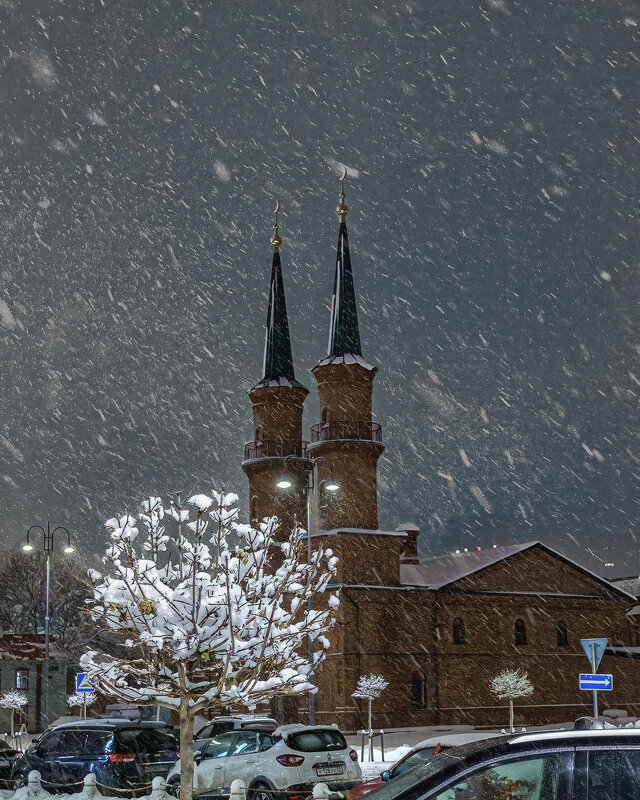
[
  {"x": 601, "y": 683},
  {"x": 588, "y": 647},
  {"x": 84, "y": 683}
]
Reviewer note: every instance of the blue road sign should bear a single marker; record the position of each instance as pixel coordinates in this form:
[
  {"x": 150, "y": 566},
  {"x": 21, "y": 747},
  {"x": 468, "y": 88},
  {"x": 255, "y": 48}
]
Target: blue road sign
[
  {"x": 84, "y": 683},
  {"x": 602, "y": 683},
  {"x": 600, "y": 645}
]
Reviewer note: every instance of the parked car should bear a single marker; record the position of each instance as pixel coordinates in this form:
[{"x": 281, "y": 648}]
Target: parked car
[
  {"x": 289, "y": 761},
  {"x": 7, "y": 758},
  {"x": 235, "y": 723},
  {"x": 418, "y": 754},
  {"x": 125, "y": 756},
  {"x": 551, "y": 765}
]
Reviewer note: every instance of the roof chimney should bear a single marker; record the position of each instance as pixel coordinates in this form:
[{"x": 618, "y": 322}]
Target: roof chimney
[{"x": 410, "y": 554}]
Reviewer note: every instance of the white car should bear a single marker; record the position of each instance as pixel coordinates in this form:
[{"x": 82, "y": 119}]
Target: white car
[{"x": 289, "y": 761}]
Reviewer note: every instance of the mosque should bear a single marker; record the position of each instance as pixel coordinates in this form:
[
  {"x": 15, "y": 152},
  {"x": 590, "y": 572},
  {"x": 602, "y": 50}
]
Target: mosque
[{"x": 437, "y": 629}]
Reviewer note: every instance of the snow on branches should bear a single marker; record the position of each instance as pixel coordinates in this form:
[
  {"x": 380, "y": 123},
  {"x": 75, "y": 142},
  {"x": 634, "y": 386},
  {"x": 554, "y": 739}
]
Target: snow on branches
[
  {"x": 13, "y": 699},
  {"x": 370, "y": 686},
  {"x": 207, "y": 612},
  {"x": 510, "y": 684},
  {"x": 81, "y": 699}
]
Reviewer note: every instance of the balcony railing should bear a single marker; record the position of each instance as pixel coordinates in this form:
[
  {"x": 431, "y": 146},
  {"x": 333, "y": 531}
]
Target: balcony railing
[
  {"x": 344, "y": 429},
  {"x": 275, "y": 448}
]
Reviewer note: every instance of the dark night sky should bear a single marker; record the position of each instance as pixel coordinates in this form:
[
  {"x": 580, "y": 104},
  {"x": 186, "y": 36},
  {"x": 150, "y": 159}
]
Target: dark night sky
[{"x": 492, "y": 150}]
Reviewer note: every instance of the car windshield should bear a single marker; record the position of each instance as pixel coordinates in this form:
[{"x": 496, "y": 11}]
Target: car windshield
[
  {"x": 412, "y": 760},
  {"x": 409, "y": 784},
  {"x": 315, "y": 740}
]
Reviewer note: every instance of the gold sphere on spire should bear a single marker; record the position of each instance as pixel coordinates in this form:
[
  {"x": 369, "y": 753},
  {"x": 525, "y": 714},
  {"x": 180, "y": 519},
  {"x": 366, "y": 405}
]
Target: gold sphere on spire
[
  {"x": 343, "y": 210},
  {"x": 276, "y": 241}
]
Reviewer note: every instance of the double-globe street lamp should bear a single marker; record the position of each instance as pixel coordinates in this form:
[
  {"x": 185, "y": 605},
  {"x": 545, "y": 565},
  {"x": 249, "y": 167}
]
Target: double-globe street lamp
[
  {"x": 284, "y": 483},
  {"x": 48, "y": 539}
]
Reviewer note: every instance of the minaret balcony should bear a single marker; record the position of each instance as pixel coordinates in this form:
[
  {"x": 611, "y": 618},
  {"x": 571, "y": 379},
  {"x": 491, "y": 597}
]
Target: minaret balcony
[
  {"x": 346, "y": 430},
  {"x": 275, "y": 448}
]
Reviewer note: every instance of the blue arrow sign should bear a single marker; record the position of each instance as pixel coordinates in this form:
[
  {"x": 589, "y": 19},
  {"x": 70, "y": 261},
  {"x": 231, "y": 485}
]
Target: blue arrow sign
[
  {"x": 600, "y": 644},
  {"x": 84, "y": 683},
  {"x": 603, "y": 683}
]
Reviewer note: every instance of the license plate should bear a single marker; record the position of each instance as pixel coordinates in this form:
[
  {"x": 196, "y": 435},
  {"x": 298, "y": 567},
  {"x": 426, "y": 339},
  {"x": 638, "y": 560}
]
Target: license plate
[{"x": 321, "y": 772}]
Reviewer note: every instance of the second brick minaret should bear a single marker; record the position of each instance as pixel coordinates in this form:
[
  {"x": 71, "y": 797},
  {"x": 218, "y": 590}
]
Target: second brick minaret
[{"x": 346, "y": 444}]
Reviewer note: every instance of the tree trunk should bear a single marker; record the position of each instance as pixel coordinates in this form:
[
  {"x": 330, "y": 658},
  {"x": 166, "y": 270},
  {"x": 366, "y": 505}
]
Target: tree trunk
[
  {"x": 186, "y": 750},
  {"x": 511, "y": 730}
]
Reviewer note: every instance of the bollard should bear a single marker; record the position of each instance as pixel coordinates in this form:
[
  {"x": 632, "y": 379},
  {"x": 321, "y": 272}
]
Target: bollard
[
  {"x": 238, "y": 790},
  {"x": 89, "y": 787},
  {"x": 158, "y": 788},
  {"x": 382, "y": 743},
  {"x": 321, "y": 791},
  {"x": 371, "y": 745},
  {"x": 362, "y": 747},
  {"x": 34, "y": 785}
]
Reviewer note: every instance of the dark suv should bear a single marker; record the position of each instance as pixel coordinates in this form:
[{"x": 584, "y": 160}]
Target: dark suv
[{"x": 123, "y": 755}]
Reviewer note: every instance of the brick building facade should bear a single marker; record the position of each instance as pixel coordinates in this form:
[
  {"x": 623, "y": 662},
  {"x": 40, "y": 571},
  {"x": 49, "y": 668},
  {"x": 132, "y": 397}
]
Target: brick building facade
[{"x": 437, "y": 630}]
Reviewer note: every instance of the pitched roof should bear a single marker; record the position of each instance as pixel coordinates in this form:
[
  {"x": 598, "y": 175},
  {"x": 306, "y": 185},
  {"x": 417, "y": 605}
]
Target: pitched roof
[
  {"x": 27, "y": 647},
  {"x": 442, "y": 570},
  {"x": 438, "y": 572}
]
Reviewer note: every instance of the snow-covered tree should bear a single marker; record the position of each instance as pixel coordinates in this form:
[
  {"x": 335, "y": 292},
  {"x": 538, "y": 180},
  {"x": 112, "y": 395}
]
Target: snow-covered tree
[
  {"x": 210, "y": 613},
  {"x": 508, "y": 685},
  {"x": 14, "y": 700},
  {"x": 370, "y": 687},
  {"x": 82, "y": 700}
]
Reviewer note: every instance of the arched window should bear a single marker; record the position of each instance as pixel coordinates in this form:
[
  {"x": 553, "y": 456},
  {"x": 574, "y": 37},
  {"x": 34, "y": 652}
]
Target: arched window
[
  {"x": 259, "y": 433},
  {"x": 419, "y": 689},
  {"x": 459, "y": 631},
  {"x": 324, "y": 415},
  {"x": 562, "y": 634},
  {"x": 254, "y": 509},
  {"x": 520, "y": 632}
]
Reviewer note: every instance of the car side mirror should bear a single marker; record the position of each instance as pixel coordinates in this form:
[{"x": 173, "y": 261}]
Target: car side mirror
[
  {"x": 197, "y": 757},
  {"x": 386, "y": 775}
]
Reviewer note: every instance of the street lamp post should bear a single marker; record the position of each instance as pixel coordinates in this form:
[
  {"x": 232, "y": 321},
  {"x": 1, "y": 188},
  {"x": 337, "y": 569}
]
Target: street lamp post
[
  {"x": 331, "y": 485},
  {"x": 48, "y": 538}
]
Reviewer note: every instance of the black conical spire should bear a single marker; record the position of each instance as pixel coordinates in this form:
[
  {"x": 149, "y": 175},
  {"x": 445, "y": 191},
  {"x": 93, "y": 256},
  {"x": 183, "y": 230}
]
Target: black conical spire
[
  {"x": 344, "y": 336},
  {"x": 278, "y": 361}
]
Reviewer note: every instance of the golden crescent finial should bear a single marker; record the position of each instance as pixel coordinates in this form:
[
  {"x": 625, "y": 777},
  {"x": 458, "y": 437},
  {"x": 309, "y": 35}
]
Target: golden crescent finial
[
  {"x": 343, "y": 210},
  {"x": 276, "y": 241}
]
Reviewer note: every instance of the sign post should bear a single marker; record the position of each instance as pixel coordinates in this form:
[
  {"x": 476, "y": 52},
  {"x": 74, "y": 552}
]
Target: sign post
[{"x": 594, "y": 648}]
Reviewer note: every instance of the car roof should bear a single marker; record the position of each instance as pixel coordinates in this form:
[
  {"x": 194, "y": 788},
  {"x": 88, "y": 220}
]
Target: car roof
[
  {"x": 453, "y": 760},
  {"x": 117, "y": 722},
  {"x": 456, "y": 739}
]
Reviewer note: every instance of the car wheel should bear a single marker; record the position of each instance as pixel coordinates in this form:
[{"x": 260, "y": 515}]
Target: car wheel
[{"x": 261, "y": 792}]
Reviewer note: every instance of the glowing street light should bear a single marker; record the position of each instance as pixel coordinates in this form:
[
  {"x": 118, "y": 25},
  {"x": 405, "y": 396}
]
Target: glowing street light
[{"x": 48, "y": 538}]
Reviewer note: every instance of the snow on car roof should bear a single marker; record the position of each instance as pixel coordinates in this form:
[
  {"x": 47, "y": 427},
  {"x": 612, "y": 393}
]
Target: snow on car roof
[{"x": 283, "y": 730}]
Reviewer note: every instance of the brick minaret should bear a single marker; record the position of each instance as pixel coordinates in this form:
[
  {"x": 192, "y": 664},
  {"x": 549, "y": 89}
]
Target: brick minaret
[
  {"x": 346, "y": 444},
  {"x": 278, "y": 401}
]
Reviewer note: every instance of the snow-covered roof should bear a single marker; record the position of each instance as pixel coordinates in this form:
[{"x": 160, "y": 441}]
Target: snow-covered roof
[
  {"x": 27, "y": 647},
  {"x": 366, "y": 531},
  {"x": 438, "y": 572},
  {"x": 629, "y": 585},
  {"x": 348, "y": 358}
]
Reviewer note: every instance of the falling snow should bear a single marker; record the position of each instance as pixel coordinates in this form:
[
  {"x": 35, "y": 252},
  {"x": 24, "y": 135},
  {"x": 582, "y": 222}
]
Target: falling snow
[{"x": 491, "y": 196}]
